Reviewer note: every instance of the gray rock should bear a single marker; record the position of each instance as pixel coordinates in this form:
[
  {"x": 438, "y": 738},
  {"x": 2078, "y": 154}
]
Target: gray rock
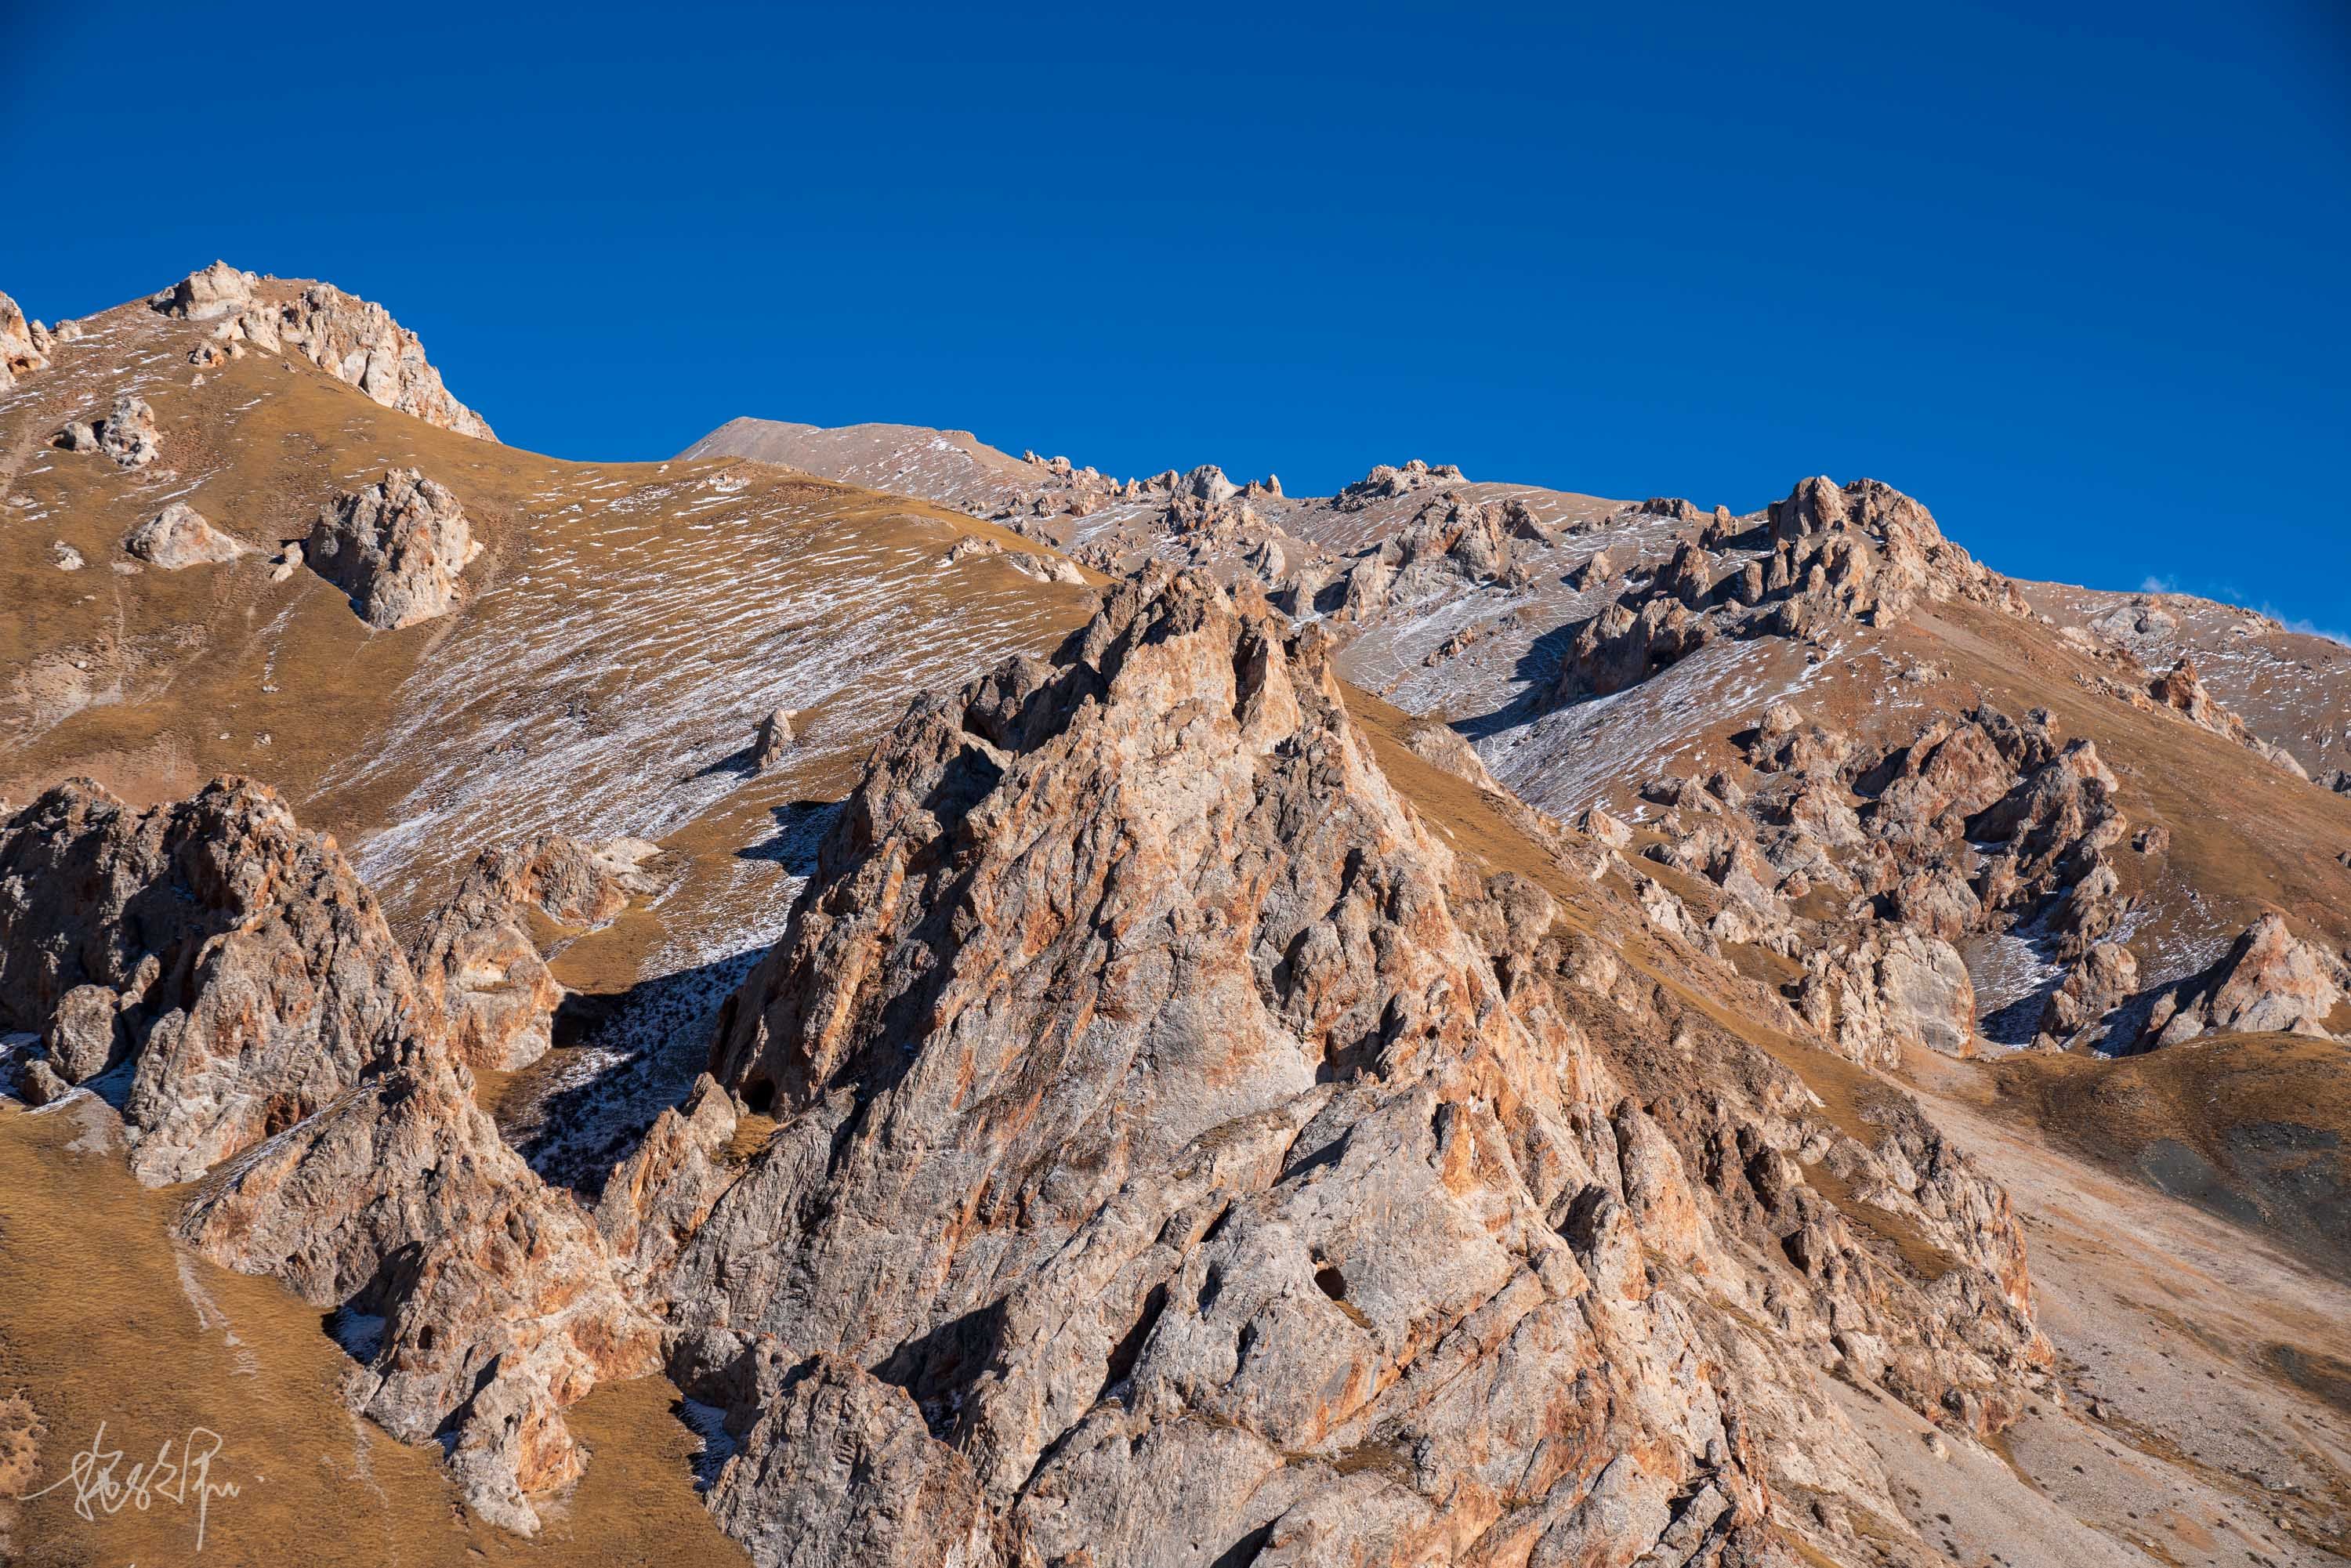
[
  {"x": 179, "y": 537},
  {"x": 397, "y": 546}
]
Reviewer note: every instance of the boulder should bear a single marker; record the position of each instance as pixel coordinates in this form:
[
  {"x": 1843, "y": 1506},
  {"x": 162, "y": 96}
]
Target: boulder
[
  {"x": 397, "y": 548},
  {"x": 128, "y": 434},
  {"x": 774, "y": 740},
  {"x": 1598, "y": 571},
  {"x": 179, "y": 537},
  {"x": 571, "y": 881},
  {"x": 1606, "y": 828},
  {"x": 2102, "y": 978},
  {"x": 40, "y": 1084},
  {"x": 21, "y": 353},
  {"x": 218, "y": 290},
  {"x": 2270, "y": 981},
  {"x": 1207, "y": 483}
]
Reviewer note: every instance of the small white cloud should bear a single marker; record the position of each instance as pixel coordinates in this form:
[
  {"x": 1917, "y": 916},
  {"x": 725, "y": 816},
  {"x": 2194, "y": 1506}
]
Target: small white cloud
[
  {"x": 2153, "y": 584},
  {"x": 2310, "y": 629}
]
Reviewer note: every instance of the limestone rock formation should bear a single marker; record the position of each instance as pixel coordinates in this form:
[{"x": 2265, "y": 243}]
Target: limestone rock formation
[
  {"x": 773, "y": 741},
  {"x": 2269, "y": 980},
  {"x": 1386, "y": 482},
  {"x": 271, "y": 1022},
  {"x": 1447, "y": 544},
  {"x": 2097, "y": 982},
  {"x": 396, "y": 547},
  {"x": 486, "y": 988},
  {"x": 399, "y": 1201},
  {"x": 217, "y": 291},
  {"x": 235, "y": 960},
  {"x": 1827, "y": 556},
  {"x": 853, "y": 1451},
  {"x": 2183, "y": 691},
  {"x": 574, "y": 882},
  {"x": 128, "y": 434},
  {"x": 356, "y": 341},
  {"x": 1216, "y": 1161},
  {"x": 20, "y": 353},
  {"x": 179, "y": 537}
]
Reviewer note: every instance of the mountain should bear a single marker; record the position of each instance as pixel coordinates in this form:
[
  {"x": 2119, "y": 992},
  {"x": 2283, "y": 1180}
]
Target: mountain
[{"x": 851, "y": 997}]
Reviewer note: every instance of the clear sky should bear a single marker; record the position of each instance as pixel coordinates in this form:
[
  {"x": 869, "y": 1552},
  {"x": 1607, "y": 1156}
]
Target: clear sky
[{"x": 2075, "y": 275}]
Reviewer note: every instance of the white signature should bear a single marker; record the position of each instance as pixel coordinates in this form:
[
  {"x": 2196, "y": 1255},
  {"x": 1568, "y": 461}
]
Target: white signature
[{"x": 99, "y": 1489}]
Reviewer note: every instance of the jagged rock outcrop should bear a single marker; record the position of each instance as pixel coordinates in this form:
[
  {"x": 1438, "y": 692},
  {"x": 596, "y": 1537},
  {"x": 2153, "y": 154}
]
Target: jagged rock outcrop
[
  {"x": 1825, "y": 556},
  {"x": 2100, "y": 980},
  {"x": 1448, "y": 544},
  {"x": 2183, "y": 691},
  {"x": 1980, "y": 823},
  {"x": 499, "y": 1305},
  {"x": 207, "y": 295},
  {"x": 487, "y": 991},
  {"x": 1158, "y": 1098},
  {"x": 397, "y": 546},
  {"x": 127, "y": 432},
  {"x": 773, "y": 741},
  {"x": 179, "y": 537},
  {"x": 21, "y": 351},
  {"x": 2270, "y": 980},
  {"x": 874, "y": 1487},
  {"x": 232, "y": 958},
  {"x": 1897, "y": 987},
  {"x": 485, "y": 982},
  {"x": 1387, "y": 482},
  {"x": 277, "y": 1037},
  {"x": 572, "y": 882},
  {"x": 1045, "y": 567},
  {"x": 356, "y": 341}
]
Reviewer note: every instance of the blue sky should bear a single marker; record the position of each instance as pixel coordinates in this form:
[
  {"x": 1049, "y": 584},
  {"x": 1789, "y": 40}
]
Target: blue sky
[{"x": 2077, "y": 281}]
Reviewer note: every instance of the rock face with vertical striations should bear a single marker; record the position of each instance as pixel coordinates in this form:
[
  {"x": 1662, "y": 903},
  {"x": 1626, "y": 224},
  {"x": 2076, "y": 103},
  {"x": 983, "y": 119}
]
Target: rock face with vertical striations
[
  {"x": 396, "y": 547},
  {"x": 1182, "y": 1156}
]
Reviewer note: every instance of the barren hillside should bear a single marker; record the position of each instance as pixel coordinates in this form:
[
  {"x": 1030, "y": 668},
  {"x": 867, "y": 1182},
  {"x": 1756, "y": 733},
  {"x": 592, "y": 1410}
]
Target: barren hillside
[{"x": 851, "y": 997}]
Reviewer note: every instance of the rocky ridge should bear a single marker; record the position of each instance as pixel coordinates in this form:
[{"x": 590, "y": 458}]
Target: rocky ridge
[
  {"x": 1864, "y": 552},
  {"x": 264, "y": 1028},
  {"x": 1281, "y": 1041},
  {"x": 1273, "y": 1040},
  {"x": 1656, "y": 982},
  {"x": 354, "y": 340}
]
